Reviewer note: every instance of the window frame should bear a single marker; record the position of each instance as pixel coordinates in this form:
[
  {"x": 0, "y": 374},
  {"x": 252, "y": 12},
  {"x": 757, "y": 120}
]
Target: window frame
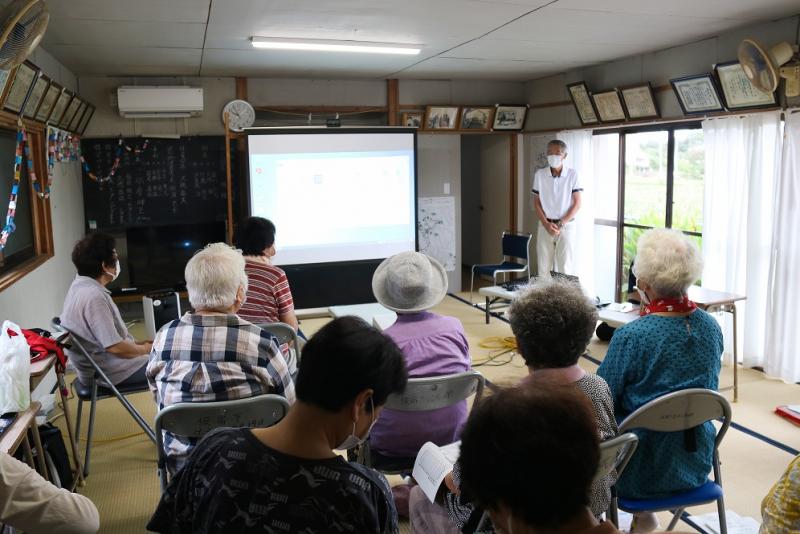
[
  {"x": 620, "y": 223},
  {"x": 40, "y": 207}
]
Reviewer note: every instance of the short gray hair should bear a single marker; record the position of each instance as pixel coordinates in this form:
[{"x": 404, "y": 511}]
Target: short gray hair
[
  {"x": 560, "y": 144},
  {"x": 668, "y": 261},
  {"x": 553, "y": 322},
  {"x": 214, "y": 275}
]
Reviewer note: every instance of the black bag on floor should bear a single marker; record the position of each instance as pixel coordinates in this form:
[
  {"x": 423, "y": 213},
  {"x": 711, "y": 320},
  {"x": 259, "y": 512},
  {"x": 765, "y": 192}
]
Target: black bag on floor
[{"x": 56, "y": 455}]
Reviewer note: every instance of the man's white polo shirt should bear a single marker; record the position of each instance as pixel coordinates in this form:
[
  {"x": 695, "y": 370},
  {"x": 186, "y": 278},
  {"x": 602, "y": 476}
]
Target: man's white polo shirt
[{"x": 555, "y": 192}]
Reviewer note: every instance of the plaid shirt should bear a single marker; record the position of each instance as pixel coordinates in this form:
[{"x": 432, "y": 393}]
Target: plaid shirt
[{"x": 207, "y": 358}]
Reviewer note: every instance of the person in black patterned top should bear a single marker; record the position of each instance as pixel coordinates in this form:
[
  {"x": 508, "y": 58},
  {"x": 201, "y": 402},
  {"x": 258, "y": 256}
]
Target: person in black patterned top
[
  {"x": 287, "y": 478},
  {"x": 553, "y": 322}
]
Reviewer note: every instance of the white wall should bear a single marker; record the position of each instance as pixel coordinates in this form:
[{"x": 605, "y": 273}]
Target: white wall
[{"x": 657, "y": 68}]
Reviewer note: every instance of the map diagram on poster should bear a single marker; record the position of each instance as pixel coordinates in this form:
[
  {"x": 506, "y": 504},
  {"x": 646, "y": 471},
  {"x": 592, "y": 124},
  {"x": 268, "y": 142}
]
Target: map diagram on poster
[{"x": 437, "y": 229}]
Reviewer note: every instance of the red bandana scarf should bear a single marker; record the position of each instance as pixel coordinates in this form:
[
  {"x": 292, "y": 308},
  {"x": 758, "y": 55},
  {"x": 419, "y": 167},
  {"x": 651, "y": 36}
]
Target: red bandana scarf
[{"x": 679, "y": 305}]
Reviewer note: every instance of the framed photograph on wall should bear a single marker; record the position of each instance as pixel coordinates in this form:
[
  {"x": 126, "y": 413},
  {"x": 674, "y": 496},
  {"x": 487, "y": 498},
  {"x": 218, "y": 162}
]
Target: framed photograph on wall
[
  {"x": 74, "y": 103},
  {"x": 23, "y": 81},
  {"x": 697, "y": 94},
  {"x": 5, "y": 82},
  {"x": 412, "y": 119},
  {"x": 609, "y": 106},
  {"x": 76, "y": 119},
  {"x": 477, "y": 118},
  {"x": 87, "y": 116},
  {"x": 639, "y": 101},
  {"x": 39, "y": 89},
  {"x": 509, "y": 117},
  {"x": 48, "y": 102},
  {"x": 60, "y": 107},
  {"x": 584, "y": 105},
  {"x": 441, "y": 118},
  {"x": 738, "y": 92}
]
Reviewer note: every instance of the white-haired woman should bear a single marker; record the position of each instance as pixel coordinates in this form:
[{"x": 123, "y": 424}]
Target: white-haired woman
[
  {"x": 211, "y": 354},
  {"x": 673, "y": 346}
]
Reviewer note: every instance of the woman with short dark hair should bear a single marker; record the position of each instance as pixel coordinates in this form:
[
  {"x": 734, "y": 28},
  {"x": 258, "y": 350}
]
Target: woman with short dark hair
[
  {"x": 90, "y": 314},
  {"x": 269, "y": 298},
  {"x": 287, "y": 476}
]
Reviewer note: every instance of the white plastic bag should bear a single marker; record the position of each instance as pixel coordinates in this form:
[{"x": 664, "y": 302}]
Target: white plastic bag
[{"x": 15, "y": 369}]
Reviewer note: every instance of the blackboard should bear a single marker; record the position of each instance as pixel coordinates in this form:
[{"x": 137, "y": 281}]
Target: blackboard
[{"x": 173, "y": 181}]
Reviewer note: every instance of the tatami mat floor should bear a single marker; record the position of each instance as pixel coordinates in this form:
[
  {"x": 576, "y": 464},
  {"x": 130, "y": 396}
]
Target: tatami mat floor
[{"x": 124, "y": 486}]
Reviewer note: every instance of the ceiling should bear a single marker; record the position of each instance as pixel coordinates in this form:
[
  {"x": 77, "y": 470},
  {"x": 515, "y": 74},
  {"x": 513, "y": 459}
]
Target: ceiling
[{"x": 460, "y": 39}]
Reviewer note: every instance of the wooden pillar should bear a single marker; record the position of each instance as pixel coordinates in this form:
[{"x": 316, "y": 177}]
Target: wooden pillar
[
  {"x": 241, "y": 153},
  {"x": 512, "y": 176},
  {"x": 393, "y": 102},
  {"x": 229, "y": 178}
]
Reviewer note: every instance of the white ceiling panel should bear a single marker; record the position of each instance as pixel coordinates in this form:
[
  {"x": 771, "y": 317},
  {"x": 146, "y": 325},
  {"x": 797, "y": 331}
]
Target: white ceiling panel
[
  {"x": 111, "y": 61},
  {"x": 302, "y": 64},
  {"x": 745, "y": 10},
  {"x": 141, "y": 10},
  {"x": 126, "y": 34},
  {"x": 448, "y": 68},
  {"x": 537, "y": 50}
]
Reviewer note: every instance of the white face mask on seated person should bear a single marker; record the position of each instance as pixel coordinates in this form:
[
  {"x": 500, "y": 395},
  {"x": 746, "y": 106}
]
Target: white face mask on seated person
[
  {"x": 353, "y": 440},
  {"x": 114, "y": 275}
]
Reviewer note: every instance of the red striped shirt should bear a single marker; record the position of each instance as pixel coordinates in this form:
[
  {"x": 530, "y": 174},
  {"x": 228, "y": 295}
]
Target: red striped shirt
[{"x": 268, "y": 293}]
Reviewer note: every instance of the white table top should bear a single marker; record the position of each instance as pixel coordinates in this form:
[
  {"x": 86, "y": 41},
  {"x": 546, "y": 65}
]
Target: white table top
[
  {"x": 497, "y": 292},
  {"x": 372, "y": 313}
]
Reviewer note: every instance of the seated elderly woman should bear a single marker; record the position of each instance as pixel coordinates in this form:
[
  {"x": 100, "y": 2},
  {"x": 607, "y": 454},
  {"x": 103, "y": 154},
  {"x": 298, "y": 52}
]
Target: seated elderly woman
[
  {"x": 287, "y": 478},
  {"x": 411, "y": 283},
  {"x": 269, "y": 298},
  {"x": 528, "y": 457},
  {"x": 672, "y": 346},
  {"x": 553, "y": 322},
  {"x": 90, "y": 314},
  {"x": 211, "y": 354}
]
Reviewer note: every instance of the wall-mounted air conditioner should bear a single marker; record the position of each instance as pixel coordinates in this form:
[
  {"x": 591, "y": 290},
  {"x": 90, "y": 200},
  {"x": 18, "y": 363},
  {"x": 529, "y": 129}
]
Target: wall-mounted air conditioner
[{"x": 159, "y": 102}]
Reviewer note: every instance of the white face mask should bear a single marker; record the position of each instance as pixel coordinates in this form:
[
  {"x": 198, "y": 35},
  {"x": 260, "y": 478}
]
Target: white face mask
[
  {"x": 352, "y": 440},
  {"x": 116, "y": 275},
  {"x": 554, "y": 160},
  {"x": 643, "y": 296}
]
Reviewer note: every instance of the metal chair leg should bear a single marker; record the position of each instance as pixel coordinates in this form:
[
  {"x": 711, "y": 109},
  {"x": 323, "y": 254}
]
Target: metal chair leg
[
  {"x": 472, "y": 285},
  {"x": 675, "y": 518},
  {"x": 90, "y": 429},
  {"x": 78, "y": 421},
  {"x": 723, "y": 521}
]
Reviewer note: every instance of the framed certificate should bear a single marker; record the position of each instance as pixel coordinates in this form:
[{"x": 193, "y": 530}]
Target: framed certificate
[
  {"x": 84, "y": 122},
  {"x": 23, "y": 81},
  {"x": 39, "y": 89},
  {"x": 73, "y": 124},
  {"x": 5, "y": 77},
  {"x": 584, "y": 105},
  {"x": 72, "y": 108},
  {"x": 60, "y": 107},
  {"x": 49, "y": 100},
  {"x": 738, "y": 92},
  {"x": 639, "y": 101},
  {"x": 609, "y": 106},
  {"x": 697, "y": 94}
]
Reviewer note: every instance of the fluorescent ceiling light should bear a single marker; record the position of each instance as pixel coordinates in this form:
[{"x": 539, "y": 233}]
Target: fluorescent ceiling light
[{"x": 320, "y": 45}]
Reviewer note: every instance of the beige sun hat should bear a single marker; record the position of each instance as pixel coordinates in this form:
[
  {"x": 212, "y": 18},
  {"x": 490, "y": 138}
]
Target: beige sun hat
[{"x": 409, "y": 282}]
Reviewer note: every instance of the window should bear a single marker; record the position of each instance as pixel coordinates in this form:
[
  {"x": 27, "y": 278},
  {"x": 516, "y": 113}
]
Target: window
[
  {"x": 32, "y": 243},
  {"x": 659, "y": 185}
]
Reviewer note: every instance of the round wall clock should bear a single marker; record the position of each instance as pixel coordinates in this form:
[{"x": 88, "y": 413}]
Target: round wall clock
[{"x": 240, "y": 115}]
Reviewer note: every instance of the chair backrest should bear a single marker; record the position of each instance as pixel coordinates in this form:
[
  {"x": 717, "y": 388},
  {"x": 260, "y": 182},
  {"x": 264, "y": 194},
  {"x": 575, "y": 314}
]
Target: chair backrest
[
  {"x": 615, "y": 453},
  {"x": 681, "y": 410},
  {"x": 284, "y": 334},
  {"x": 516, "y": 245},
  {"x": 196, "y": 419},
  {"x": 432, "y": 393}
]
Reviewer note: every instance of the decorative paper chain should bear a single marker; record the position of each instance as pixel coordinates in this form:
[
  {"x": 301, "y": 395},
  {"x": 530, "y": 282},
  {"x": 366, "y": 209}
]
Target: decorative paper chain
[
  {"x": 121, "y": 147},
  {"x": 22, "y": 150},
  {"x": 61, "y": 146}
]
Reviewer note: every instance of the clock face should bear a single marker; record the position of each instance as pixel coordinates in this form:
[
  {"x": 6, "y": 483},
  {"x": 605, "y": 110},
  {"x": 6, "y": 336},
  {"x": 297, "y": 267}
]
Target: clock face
[{"x": 240, "y": 115}]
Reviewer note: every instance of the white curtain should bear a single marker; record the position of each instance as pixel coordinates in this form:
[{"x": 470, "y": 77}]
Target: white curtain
[
  {"x": 783, "y": 334},
  {"x": 580, "y": 157},
  {"x": 742, "y": 162}
]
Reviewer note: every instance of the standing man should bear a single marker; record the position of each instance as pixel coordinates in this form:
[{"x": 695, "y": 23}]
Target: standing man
[{"x": 556, "y": 200}]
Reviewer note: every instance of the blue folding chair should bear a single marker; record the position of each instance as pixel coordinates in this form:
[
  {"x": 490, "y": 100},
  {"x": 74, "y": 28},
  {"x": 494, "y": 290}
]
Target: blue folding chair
[
  {"x": 676, "y": 412},
  {"x": 515, "y": 247}
]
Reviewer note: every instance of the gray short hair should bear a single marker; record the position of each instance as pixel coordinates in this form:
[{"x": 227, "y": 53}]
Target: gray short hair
[
  {"x": 560, "y": 144},
  {"x": 668, "y": 261},
  {"x": 553, "y": 322},
  {"x": 213, "y": 276}
]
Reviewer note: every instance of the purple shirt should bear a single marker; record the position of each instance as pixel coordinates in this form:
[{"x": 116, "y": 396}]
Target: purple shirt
[{"x": 432, "y": 345}]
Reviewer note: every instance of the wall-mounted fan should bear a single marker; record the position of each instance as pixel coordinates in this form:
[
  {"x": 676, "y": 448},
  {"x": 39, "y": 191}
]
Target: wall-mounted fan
[
  {"x": 765, "y": 67},
  {"x": 22, "y": 26}
]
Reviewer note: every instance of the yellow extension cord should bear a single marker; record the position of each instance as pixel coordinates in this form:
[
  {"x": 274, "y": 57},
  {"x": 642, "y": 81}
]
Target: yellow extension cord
[{"x": 498, "y": 346}]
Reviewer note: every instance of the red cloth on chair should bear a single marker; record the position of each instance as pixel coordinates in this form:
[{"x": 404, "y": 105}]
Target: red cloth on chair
[{"x": 41, "y": 347}]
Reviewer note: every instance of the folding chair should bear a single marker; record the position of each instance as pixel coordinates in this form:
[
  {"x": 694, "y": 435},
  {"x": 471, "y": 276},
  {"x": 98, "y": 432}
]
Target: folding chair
[
  {"x": 421, "y": 395},
  {"x": 676, "y": 412},
  {"x": 196, "y": 419},
  {"x": 615, "y": 453},
  {"x": 284, "y": 334},
  {"x": 94, "y": 392},
  {"x": 515, "y": 246}
]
